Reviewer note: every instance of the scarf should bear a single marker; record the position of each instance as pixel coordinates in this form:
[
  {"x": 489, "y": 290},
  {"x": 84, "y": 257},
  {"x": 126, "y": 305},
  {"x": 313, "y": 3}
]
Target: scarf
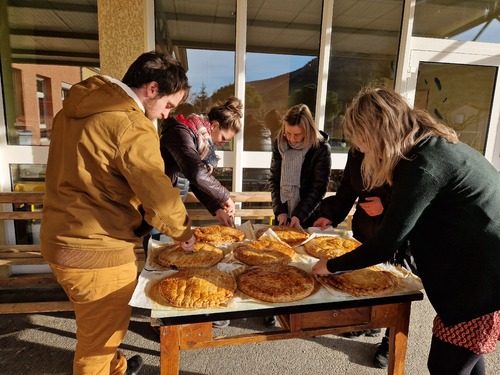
[
  {"x": 291, "y": 166},
  {"x": 202, "y": 131}
]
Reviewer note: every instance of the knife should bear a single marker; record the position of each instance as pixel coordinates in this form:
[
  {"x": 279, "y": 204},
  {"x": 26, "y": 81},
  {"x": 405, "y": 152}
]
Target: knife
[{"x": 231, "y": 221}]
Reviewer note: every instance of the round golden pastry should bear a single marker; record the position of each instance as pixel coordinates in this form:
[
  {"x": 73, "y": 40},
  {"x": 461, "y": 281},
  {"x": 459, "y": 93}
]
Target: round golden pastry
[
  {"x": 363, "y": 282},
  {"x": 330, "y": 246},
  {"x": 261, "y": 252},
  {"x": 197, "y": 288},
  {"x": 218, "y": 234},
  {"x": 275, "y": 283},
  {"x": 290, "y": 236},
  {"x": 205, "y": 255}
]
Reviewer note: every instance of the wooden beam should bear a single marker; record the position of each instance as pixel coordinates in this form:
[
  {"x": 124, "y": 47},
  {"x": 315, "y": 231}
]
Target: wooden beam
[
  {"x": 245, "y": 196},
  {"x": 21, "y": 215},
  {"x": 246, "y": 213},
  {"x": 21, "y": 197},
  {"x": 35, "y": 307}
]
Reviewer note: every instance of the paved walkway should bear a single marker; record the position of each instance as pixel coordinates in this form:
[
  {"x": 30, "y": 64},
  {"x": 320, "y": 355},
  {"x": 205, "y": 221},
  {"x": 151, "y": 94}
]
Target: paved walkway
[{"x": 42, "y": 344}]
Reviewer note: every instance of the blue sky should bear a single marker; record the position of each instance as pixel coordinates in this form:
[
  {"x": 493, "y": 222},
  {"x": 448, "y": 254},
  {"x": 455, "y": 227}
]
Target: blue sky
[
  {"x": 216, "y": 68},
  {"x": 489, "y": 35}
]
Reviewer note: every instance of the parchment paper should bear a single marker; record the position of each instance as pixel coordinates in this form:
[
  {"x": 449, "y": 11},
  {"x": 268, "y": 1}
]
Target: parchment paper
[{"x": 146, "y": 297}]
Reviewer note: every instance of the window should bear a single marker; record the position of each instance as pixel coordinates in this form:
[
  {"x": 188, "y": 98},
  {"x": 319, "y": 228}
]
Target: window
[
  {"x": 34, "y": 106},
  {"x": 365, "y": 40},
  {"x": 463, "y": 104},
  {"x": 281, "y": 65},
  {"x": 20, "y": 121},
  {"x": 458, "y": 20},
  {"x": 64, "y": 90},
  {"x": 202, "y": 37},
  {"x": 44, "y": 108},
  {"x": 27, "y": 178}
]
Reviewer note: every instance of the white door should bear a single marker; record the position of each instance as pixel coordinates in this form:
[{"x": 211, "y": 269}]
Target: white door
[{"x": 459, "y": 83}]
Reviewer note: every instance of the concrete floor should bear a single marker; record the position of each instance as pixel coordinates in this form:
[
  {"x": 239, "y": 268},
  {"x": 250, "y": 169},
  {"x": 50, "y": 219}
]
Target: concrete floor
[{"x": 43, "y": 344}]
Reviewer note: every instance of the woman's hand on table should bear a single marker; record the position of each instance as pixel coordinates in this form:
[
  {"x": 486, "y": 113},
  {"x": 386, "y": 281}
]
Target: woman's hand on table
[
  {"x": 224, "y": 218},
  {"x": 229, "y": 207},
  {"x": 373, "y": 206},
  {"x": 322, "y": 223},
  {"x": 188, "y": 245},
  {"x": 294, "y": 222},
  {"x": 320, "y": 268},
  {"x": 282, "y": 219}
]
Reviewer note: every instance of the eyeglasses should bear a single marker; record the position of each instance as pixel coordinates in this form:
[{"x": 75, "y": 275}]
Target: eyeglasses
[
  {"x": 296, "y": 136},
  {"x": 223, "y": 139}
]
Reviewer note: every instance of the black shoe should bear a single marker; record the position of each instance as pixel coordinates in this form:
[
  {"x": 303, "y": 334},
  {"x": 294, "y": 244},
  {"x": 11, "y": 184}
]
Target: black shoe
[
  {"x": 380, "y": 359},
  {"x": 220, "y": 323},
  {"x": 350, "y": 335},
  {"x": 373, "y": 332},
  {"x": 270, "y": 321},
  {"x": 134, "y": 365}
]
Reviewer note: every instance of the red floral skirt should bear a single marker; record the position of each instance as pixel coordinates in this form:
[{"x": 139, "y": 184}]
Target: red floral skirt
[{"x": 479, "y": 335}]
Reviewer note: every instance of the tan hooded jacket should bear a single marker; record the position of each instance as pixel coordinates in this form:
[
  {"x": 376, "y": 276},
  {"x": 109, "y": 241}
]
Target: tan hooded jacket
[{"x": 105, "y": 181}]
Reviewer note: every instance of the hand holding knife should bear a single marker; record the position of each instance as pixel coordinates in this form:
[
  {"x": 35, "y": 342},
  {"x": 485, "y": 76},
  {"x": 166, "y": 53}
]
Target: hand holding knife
[{"x": 231, "y": 221}]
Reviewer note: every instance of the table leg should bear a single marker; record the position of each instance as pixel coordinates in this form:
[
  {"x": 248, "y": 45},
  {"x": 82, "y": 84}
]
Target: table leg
[
  {"x": 169, "y": 350},
  {"x": 398, "y": 340}
]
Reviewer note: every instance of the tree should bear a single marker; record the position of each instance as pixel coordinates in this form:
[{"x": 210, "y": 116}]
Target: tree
[
  {"x": 253, "y": 99},
  {"x": 201, "y": 100},
  {"x": 305, "y": 95},
  {"x": 332, "y": 106}
]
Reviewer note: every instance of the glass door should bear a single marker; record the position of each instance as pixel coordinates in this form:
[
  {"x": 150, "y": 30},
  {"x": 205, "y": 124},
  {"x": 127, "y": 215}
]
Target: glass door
[
  {"x": 461, "y": 90},
  {"x": 460, "y": 96}
]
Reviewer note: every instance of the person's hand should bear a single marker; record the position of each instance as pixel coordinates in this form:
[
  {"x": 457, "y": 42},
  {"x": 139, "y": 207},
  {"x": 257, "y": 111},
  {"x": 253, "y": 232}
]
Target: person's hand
[
  {"x": 282, "y": 219},
  {"x": 373, "y": 206},
  {"x": 188, "y": 245},
  {"x": 229, "y": 207},
  {"x": 322, "y": 223},
  {"x": 295, "y": 222},
  {"x": 223, "y": 217},
  {"x": 320, "y": 268}
]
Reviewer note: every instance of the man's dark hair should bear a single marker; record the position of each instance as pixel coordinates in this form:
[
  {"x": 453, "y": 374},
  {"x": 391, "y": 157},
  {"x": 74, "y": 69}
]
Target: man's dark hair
[{"x": 160, "y": 68}]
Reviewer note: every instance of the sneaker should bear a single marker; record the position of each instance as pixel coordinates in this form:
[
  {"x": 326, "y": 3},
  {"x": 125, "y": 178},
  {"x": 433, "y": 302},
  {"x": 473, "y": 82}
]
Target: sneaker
[
  {"x": 270, "y": 321},
  {"x": 134, "y": 365},
  {"x": 373, "y": 332},
  {"x": 220, "y": 323},
  {"x": 380, "y": 359},
  {"x": 352, "y": 334}
]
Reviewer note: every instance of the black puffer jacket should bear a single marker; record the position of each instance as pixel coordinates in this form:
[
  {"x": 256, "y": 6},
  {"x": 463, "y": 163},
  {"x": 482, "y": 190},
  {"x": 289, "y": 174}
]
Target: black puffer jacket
[
  {"x": 178, "y": 149},
  {"x": 314, "y": 179},
  {"x": 337, "y": 207}
]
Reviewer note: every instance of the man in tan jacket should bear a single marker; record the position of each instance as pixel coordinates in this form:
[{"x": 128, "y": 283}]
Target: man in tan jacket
[{"x": 105, "y": 189}]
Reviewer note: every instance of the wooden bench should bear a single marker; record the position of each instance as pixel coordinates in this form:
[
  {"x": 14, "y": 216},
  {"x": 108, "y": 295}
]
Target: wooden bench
[
  {"x": 252, "y": 205},
  {"x": 27, "y": 291},
  {"x": 26, "y": 283}
]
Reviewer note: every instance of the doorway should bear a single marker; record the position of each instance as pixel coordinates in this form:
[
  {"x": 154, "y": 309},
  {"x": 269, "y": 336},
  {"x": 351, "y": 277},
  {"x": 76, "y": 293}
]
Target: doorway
[
  {"x": 462, "y": 91},
  {"x": 460, "y": 96}
]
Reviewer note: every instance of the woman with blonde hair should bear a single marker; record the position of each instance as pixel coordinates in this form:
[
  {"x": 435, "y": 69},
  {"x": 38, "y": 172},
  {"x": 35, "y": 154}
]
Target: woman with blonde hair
[
  {"x": 446, "y": 201},
  {"x": 300, "y": 168}
]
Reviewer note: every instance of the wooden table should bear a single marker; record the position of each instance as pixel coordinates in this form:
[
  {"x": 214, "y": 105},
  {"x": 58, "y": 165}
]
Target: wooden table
[{"x": 297, "y": 321}]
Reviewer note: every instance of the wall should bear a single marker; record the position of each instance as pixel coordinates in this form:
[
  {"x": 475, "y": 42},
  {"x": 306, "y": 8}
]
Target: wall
[{"x": 122, "y": 34}]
